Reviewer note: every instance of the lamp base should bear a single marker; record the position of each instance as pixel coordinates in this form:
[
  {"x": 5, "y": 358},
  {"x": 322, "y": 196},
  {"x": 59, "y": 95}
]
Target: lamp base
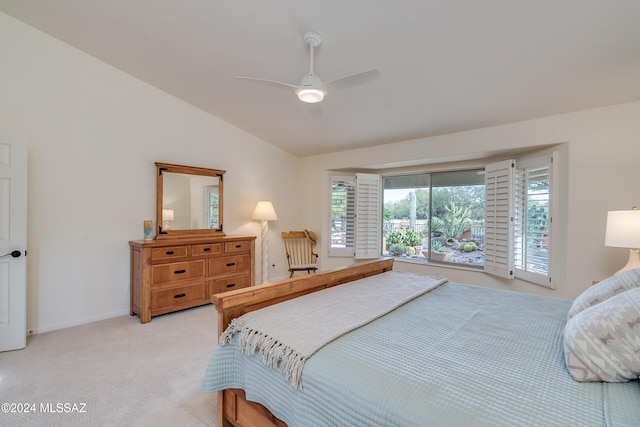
[
  {"x": 264, "y": 253},
  {"x": 634, "y": 261}
]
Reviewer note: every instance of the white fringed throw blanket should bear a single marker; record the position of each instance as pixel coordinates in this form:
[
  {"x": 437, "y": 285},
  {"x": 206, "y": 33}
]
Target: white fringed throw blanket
[{"x": 285, "y": 335}]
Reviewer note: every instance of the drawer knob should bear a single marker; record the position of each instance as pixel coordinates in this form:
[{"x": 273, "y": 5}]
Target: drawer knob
[
  {"x": 207, "y": 249},
  {"x": 231, "y": 285},
  {"x": 179, "y": 271},
  {"x": 180, "y": 295},
  {"x": 238, "y": 246},
  {"x": 231, "y": 264},
  {"x": 170, "y": 252}
]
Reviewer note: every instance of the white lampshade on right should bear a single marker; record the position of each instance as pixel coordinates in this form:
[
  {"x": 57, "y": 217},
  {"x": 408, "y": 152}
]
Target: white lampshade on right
[{"x": 623, "y": 231}]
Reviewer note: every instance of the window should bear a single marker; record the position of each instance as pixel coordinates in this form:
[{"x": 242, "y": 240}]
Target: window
[
  {"x": 212, "y": 206},
  {"x": 532, "y": 223},
  {"x": 343, "y": 215},
  {"x": 498, "y": 218},
  {"x": 519, "y": 218},
  {"x": 355, "y": 216},
  {"x": 435, "y": 216}
]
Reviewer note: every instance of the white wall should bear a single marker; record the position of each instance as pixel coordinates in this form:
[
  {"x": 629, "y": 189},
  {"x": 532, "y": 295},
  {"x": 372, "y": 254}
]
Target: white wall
[
  {"x": 599, "y": 172},
  {"x": 93, "y": 135}
]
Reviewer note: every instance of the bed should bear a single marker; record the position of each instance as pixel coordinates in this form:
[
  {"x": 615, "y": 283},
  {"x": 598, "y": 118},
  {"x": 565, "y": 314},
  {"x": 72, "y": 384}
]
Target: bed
[{"x": 451, "y": 354}]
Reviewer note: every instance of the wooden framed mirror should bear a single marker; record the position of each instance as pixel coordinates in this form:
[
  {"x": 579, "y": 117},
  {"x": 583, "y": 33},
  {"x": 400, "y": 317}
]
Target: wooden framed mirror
[{"x": 189, "y": 201}]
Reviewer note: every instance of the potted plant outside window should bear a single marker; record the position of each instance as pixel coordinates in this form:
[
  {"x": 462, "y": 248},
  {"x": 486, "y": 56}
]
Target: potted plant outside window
[{"x": 436, "y": 252}]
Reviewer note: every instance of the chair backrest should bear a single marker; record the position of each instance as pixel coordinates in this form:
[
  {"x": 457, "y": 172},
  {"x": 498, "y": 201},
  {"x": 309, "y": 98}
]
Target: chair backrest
[{"x": 299, "y": 248}]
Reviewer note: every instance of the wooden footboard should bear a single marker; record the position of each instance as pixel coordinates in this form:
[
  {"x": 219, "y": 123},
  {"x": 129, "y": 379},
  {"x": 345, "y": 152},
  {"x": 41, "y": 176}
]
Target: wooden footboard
[
  {"x": 239, "y": 412},
  {"x": 233, "y": 408}
]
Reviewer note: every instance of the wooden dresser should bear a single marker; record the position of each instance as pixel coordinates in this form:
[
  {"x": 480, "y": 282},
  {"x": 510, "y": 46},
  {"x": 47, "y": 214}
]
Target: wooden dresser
[{"x": 174, "y": 274}]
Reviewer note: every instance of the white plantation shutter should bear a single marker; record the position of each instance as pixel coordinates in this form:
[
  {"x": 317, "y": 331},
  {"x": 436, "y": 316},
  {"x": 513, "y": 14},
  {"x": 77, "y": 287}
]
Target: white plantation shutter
[
  {"x": 343, "y": 215},
  {"x": 498, "y": 247},
  {"x": 368, "y": 215},
  {"x": 533, "y": 219}
]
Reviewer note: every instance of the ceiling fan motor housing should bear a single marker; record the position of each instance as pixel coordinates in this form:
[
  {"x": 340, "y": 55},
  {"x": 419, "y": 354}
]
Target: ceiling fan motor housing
[
  {"x": 312, "y": 39},
  {"x": 311, "y": 80}
]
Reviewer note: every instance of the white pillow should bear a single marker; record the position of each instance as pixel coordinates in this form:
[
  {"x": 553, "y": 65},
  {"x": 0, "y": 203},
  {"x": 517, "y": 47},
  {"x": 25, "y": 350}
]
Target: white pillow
[
  {"x": 606, "y": 289},
  {"x": 602, "y": 343}
]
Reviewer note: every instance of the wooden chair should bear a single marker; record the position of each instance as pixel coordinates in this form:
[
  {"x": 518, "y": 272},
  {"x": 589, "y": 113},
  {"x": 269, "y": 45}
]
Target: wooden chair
[{"x": 299, "y": 247}]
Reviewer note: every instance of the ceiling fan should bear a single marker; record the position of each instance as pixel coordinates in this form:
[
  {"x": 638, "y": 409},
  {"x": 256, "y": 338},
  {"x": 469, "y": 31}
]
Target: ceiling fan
[{"x": 311, "y": 89}]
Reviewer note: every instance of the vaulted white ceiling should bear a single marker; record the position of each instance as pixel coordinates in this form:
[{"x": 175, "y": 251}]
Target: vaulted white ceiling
[{"x": 446, "y": 65}]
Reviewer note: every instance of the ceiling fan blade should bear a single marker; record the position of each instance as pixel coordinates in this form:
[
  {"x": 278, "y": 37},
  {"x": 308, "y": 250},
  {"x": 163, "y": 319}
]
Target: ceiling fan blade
[
  {"x": 268, "y": 82},
  {"x": 352, "y": 80}
]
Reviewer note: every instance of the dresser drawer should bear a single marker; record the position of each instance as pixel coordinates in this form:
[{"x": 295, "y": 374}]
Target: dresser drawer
[
  {"x": 210, "y": 249},
  {"x": 168, "y": 253},
  {"x": 230, "y": 265},
  {"x": 229, "y": 284},
  {"x": 231, "y": 247},
  {"x": 185, "y": 296},
  {"x": 177, "y": 271}
]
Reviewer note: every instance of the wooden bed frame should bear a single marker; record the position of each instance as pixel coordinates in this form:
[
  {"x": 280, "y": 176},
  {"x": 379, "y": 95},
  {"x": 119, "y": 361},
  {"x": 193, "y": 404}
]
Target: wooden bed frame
[{"x": 233, "y": 407}]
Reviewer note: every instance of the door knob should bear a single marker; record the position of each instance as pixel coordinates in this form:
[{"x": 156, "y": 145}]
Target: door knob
[{"x": 14, "y": 254}]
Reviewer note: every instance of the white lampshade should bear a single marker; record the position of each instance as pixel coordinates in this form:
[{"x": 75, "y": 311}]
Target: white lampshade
[
  {"x": 264, "y": 211},
  {"x": 167, "y": 214},
  {"x": 623, "y": 229}
]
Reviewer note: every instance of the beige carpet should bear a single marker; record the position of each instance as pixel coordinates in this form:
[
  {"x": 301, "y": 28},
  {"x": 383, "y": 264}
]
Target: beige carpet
[{"x": 118, "y": 371}]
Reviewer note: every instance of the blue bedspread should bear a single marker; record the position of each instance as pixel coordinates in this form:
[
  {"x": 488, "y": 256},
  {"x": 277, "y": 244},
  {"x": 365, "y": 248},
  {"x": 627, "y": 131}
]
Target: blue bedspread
[{"x": 459, "y": 355}]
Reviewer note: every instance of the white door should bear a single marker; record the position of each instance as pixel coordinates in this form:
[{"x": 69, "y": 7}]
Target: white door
[{"x": 13, "y": 242}]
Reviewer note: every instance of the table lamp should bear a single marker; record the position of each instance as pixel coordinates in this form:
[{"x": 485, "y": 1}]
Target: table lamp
[{"x": 623, "y": 231}]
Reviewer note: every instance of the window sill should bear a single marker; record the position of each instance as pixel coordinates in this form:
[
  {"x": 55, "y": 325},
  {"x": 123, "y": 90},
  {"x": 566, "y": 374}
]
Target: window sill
[{"x": 452, "y": 265}]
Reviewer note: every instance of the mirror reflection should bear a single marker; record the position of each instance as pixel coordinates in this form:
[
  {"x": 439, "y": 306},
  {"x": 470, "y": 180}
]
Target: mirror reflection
[{"x": 189, "y": 200}]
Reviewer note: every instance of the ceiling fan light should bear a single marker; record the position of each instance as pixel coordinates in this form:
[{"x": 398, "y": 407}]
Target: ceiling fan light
[{"x": 310, "y": 96}]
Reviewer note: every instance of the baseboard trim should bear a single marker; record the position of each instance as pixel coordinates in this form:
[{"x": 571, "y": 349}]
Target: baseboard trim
[{"x": 77, "y": 322}]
